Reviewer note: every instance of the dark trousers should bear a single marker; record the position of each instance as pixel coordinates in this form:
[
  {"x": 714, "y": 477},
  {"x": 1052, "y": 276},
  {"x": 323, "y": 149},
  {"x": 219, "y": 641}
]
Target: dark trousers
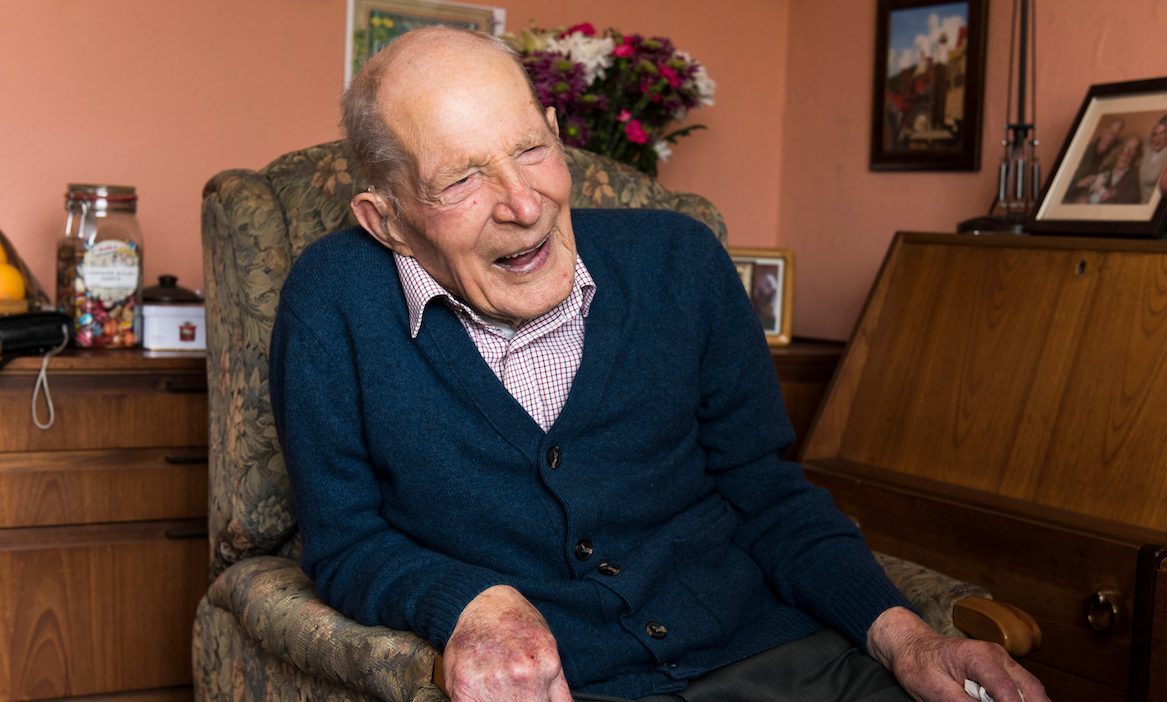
[{"x": 823, "y": 667}]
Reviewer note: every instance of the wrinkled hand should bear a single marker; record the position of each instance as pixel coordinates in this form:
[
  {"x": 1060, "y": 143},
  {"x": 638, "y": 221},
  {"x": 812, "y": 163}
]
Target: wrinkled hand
[
  {"x": 933, "y": 668},
  {"x": 503, "y": 651}
]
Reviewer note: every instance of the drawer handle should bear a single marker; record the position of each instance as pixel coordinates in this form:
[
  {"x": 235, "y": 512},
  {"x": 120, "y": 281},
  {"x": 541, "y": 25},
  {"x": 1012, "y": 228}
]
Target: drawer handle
[
  {"x": 184, "y": 458},
  {"x": 184, "y": 386},
  {"x": 190, "y": 533},
  {"x": 1102, "y": 611}
]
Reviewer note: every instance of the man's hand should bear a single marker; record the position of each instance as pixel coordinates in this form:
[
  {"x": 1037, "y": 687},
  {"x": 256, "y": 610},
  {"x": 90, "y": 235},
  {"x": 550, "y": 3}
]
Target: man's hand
[
  {"x": 933, "y": 668},
  {"x": 502, "y": 651}
]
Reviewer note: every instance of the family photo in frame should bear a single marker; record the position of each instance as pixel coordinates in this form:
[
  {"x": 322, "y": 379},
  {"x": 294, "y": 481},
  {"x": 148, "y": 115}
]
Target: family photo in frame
[
  {"x": 928, "y": 94},
  {"x": 1108, "y": 177},
  {"x": 768, "y": 279}
]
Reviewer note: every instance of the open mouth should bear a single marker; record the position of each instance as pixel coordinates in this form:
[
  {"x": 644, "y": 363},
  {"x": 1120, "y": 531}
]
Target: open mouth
[{"x": 527, "y": 259}]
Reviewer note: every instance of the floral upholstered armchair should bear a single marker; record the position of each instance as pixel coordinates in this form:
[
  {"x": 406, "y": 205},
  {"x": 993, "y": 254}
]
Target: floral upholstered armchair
[{"x": 260, "y": 631}]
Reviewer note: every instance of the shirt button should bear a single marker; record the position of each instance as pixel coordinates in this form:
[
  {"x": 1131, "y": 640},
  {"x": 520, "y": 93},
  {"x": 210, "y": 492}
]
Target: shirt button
[
  {"x": 583, "y": 550},
  {"x": 656, "y": 631},
  {"x": 606, "y": 568},
  {"x": 554, "y": 457}
]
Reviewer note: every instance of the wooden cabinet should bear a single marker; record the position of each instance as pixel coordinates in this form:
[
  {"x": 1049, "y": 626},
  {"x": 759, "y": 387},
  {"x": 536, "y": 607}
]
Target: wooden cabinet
[
  {"x": 103, "y": 549},
  {"x": 1000, "y": 415},
  {"x": 804, "y": 369}
]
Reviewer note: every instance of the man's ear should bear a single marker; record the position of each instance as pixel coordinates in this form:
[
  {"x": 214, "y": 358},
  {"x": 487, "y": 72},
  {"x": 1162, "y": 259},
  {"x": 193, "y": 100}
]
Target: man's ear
[
  {"x": 381, "y": 219},
  {"x": 553, "y": 123}
]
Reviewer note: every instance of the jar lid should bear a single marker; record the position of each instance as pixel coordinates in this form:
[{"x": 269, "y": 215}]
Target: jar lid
[
  {"x": 113, "y": 193},
  {"x": 168, "y": 291}
]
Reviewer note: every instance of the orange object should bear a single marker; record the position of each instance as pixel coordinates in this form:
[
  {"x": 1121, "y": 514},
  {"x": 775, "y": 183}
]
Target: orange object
[{"x": 11, "y": 283}]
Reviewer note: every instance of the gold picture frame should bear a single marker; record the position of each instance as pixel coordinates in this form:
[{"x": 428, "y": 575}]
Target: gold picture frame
[
  {"x": 768, "y": 277},
  {"x": 374, "y": 23}
]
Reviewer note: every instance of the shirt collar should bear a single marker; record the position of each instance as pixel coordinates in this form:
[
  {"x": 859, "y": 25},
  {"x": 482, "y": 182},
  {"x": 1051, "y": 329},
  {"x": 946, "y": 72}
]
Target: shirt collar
[{"x": 420, "y": 287}]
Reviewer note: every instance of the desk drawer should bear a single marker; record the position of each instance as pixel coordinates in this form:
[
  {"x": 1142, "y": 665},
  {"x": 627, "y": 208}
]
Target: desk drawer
[
  {"x": 81, "y": 487},
  {"x": 98, "y": 609},
  {"x": 103, "y": 411},
  {"x": 1048, "y": 571}
]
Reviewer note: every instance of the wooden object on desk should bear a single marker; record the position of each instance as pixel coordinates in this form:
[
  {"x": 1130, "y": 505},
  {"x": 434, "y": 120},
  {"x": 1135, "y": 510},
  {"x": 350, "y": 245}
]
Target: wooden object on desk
[
  {"x": 1001, "y": 415},
  {"x": 103, "y": 549}
]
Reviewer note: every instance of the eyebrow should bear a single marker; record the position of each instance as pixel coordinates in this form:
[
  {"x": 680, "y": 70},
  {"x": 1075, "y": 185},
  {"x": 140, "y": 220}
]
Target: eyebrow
[{"x": 451, "y": 173}]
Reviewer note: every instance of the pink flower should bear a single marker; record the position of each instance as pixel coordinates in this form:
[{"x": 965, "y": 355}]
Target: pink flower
[
  {"x": 671, "y": 76},
  {"x": 635, "y": 132},
  {"x": 584, "y": 28},
  {"x": 624, "y": 50},
  {"x": 624, "y": 116}
]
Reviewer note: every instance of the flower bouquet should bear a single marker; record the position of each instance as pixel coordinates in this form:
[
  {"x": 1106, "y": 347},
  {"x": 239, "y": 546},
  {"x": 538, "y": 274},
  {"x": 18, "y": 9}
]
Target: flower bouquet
[{"x": 615, "y": 94}]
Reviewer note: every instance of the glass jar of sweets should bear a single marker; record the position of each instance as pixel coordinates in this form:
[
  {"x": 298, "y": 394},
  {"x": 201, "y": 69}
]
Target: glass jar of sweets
[{"x": 99, "y": 266}]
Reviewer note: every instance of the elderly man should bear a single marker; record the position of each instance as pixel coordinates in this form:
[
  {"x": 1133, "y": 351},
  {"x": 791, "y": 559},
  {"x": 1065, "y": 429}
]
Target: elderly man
[{"x": 549, "y": 441}]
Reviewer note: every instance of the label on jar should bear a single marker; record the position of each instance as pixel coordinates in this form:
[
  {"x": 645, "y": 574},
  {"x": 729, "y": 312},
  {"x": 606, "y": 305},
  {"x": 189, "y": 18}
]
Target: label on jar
[{"x": 111, "y": 270}]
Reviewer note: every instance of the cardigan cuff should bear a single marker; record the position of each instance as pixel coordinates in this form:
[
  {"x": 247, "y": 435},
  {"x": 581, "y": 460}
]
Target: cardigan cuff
[{"x": 441, "y": 605}]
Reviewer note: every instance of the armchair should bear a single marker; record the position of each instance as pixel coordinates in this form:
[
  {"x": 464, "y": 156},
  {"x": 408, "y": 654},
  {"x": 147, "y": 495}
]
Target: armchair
[{"x": 260, "y": 632}]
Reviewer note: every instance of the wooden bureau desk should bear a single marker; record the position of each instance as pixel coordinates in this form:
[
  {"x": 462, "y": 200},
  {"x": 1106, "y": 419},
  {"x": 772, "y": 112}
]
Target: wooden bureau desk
[
  {"x": 1000, "y": 415},
  {"x": 103, "y": 549}
]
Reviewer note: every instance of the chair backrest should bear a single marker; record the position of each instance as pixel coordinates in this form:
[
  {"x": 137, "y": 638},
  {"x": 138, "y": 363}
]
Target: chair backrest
[{"x": 255, "y": 224}]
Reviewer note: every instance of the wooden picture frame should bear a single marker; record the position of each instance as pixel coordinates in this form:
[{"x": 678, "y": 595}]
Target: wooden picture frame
[
  {"x": 929, "y": 85},
  {"x": 1090, "y": 191},
  {"x": 768, "y": 277},
  {"x": 374, "y": 23}
]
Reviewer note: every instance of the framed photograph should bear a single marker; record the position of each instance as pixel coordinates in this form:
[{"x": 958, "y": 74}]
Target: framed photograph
[
  {"x": 1109, "y": 177},
  {"x": 374, "y": 23},
  {"x": 929, "y": 85},
  {"x": 767, "y": 275}
]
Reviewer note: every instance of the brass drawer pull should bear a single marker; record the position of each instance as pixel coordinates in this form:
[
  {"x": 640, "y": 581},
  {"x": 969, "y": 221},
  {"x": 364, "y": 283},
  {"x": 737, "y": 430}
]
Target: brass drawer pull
[
  {"x": 1102, "y": 611},
  {"x": 189, "y": 533},
  {"x": 184, "y": 458}
]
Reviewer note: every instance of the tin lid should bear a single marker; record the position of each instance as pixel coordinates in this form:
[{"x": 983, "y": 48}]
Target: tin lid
[{"x": 169, "y": 292}]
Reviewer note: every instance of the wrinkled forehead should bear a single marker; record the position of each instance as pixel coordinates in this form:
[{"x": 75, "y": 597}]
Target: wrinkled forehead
[{"x": 479, "y": 103}]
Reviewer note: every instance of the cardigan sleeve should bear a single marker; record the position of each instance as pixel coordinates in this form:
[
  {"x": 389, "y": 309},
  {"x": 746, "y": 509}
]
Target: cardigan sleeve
[
  {"x": 812, "y": 555},
  {"x": 361, "y": 565}
]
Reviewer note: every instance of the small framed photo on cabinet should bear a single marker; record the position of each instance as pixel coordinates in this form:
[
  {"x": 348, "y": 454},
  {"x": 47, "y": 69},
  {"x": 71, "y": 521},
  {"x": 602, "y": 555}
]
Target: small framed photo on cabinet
[{"x": 768, "y": 277}]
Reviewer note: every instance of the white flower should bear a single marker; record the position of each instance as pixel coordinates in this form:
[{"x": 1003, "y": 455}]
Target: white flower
[
  {"x": 701, "y": 82},
  {"x": 593, "y": 53},
  {"x": 705, "y": 86},
  {"x": 663, "y": 151}
]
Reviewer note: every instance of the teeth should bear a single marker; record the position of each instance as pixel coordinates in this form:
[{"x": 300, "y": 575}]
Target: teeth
[{"x": 524, "y": 253}]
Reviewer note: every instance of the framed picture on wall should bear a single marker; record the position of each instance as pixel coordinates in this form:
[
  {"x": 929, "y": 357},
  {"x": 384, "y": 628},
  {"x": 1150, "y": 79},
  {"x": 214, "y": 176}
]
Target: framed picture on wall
[
  {"x": 929, "y": 85},
  {"x": 374, "y": 23},
  {"x": 768, "y": 277},
  {"x": 1110, "y": 176}
]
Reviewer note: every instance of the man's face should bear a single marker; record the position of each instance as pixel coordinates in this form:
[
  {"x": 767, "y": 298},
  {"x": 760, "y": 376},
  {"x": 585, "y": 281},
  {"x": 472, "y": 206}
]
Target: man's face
[
  {"x": 492, "y": 223},
  {"x": 1159, "y": 137}
]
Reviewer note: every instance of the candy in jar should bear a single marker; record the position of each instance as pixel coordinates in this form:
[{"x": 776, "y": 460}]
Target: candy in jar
[{"x": 99, "y": 266}]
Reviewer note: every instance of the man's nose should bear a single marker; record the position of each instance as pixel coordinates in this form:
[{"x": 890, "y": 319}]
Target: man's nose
[{"x": 519, "y": 203}]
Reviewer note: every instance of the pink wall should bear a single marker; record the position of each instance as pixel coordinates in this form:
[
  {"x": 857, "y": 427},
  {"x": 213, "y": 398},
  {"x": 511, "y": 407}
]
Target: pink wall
[
  {"x": 839, "y": 217},
  {"x": 162, "y": 95},
  {"x": 159, "y": 95}
]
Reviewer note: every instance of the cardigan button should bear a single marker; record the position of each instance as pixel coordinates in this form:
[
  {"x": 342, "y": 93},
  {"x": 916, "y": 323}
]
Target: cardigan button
[
  {"x": 554, "y": 457},
  {"x": 583, "y": 550},
  {"x": 606, "y": 568},
  {"x": 655, "y": 630}
]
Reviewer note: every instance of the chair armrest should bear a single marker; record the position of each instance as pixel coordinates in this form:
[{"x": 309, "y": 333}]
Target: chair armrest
[
  {"x": 957, "y": 608},
  {"x": 1005, "y": 624},
  {"x": 275, "y": 604}
]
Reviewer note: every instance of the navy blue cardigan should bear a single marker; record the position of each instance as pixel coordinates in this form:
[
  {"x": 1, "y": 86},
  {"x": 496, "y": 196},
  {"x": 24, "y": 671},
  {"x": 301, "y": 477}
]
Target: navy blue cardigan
[{"x": 655, "y": 525}]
